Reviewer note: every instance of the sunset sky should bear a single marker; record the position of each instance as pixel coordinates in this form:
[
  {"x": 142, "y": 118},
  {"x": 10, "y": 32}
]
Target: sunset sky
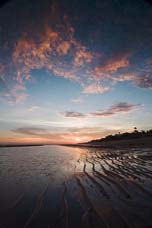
[{"x": 72, "y": 71}]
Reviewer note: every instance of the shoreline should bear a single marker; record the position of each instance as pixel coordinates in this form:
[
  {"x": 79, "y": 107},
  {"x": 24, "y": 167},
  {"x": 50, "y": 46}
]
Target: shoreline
[
  {"x": 145, "y": 142},
  {"x": 120, "y": 144}
]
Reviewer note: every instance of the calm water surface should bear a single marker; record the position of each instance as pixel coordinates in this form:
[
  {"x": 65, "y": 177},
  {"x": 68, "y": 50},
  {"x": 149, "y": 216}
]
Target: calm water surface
[{"x": 28, "y": 172}]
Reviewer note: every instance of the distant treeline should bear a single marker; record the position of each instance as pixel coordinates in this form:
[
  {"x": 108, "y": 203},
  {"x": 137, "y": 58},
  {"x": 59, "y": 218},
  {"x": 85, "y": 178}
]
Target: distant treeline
[
  {"x": 20, "y": 145},
  {"x": 124, "y": 136}
]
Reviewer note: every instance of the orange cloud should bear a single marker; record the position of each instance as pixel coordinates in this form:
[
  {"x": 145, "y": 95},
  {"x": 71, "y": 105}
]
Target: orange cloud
[
  {"x": 48, "y": 52},
  {"x": 111, "y": 66},
  {"x": 63, "y": 47},
  {"x": 58, "y": 51},
  {"x": 30, "y": 54},
  {"x": 82, "y": 56}
]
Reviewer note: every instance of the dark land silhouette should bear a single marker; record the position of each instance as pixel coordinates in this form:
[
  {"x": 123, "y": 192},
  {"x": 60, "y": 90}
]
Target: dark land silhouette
[{"x": 127, "y": 139}]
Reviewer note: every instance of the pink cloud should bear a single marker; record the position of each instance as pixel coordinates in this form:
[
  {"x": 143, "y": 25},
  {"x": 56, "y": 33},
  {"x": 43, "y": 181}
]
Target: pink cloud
[
  {"x": 95, "y": 88},
  {"x": 121, "y": 107},
  {"x": 48, "y": 52},
  {"x": 111, "y": 66},
  {"x": 58, "y": 51},
  {"x": 42, "y": 135},
  {"x": 82, "y": 56}
]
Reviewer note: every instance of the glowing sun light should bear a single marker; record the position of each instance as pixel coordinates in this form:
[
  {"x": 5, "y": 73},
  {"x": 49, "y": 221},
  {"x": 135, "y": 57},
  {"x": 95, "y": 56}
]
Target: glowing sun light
[{"x": 77, "y": 139}]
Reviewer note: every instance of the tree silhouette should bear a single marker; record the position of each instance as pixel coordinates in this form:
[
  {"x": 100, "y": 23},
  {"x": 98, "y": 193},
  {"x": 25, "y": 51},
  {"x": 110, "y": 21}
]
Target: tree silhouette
[
  {"x": 135, "y": 130},
  {"x": 126, "y": 135}
]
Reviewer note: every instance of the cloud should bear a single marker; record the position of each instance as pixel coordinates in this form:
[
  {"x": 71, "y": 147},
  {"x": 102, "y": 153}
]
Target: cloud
[
  {"x": 95, "y": 88},
  {"x": 63, "y": 47},
  {"x": 78, "y": 100},
  {"x": 49, "y": 51},
  {"x": 121, "y": 107},
  {"x": 82, "y": 56},
  {"x": 15, "y": 95},
  {"x": 41, "y": 134},
  {"x": 32, "y": 131},
  {"x": 98, "y": 57},
  {"x": 111, "y": 66},
  {"x": 73, "y": 114},
  {"x": 61, "y": 135},
  {"x": 141, "y": 80},
  {"x": 2, "y": 70},
  {"x": 144, "y": 82},
  {"x": 33, "y": 108}
]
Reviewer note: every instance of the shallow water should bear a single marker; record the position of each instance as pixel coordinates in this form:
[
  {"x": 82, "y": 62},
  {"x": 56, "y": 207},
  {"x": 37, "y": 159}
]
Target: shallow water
[{"x": 56, "y": 186}]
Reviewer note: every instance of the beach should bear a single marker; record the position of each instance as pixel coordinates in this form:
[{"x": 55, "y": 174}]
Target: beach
[{"x": 59, "y": 186}]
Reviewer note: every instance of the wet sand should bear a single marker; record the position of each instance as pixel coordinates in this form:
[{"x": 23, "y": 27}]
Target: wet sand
[{"x": 75, "y": 187}]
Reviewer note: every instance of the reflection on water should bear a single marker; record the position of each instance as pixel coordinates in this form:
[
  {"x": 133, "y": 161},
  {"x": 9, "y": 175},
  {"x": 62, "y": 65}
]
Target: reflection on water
[
  {"x": 27, "y": 172},
  {"x": 31, "y": 168},
  {"x": 56, "y": 186}
]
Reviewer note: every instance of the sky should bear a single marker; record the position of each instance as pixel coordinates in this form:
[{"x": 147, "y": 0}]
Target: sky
[{"x": 72, "y": 71}]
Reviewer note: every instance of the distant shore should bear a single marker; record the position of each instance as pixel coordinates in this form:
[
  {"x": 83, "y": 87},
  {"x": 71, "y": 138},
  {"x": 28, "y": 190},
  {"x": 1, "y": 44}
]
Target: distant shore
[
  {"x": 124, "y": 143},
  {"x": 21, "y": 145}
]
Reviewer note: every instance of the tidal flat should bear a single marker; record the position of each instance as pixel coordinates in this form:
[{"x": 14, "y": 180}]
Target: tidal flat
[{"x": 72, "y": 187}]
